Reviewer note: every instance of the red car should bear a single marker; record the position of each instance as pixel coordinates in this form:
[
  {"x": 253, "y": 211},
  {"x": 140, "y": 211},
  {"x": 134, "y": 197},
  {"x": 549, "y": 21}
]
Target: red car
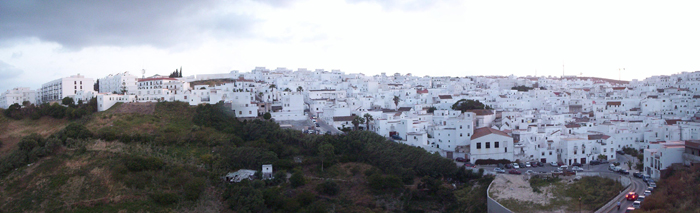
[
  {"x": 515, "y": 172},
  {"x": 632, "y": 196},
  {"x": 469, "y": 165}
]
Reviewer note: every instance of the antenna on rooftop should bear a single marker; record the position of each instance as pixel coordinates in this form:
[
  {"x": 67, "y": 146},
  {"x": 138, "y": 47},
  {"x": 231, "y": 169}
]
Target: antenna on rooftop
[{"x": 143, "y": 73}]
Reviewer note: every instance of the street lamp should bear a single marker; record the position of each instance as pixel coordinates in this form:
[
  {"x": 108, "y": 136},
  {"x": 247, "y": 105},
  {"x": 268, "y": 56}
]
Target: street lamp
[{"x": 589, "y": 161}]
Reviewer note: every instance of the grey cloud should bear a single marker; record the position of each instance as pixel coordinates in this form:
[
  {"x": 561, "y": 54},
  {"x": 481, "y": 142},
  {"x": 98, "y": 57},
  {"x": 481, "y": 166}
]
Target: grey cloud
[
  {"x": 8, "y": 75},
  {"x": 79, "y": 24},
  {"x": 406, "y": 5}
]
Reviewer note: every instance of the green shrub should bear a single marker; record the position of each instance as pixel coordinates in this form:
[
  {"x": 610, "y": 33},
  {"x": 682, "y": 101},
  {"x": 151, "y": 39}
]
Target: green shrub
[
  {"x": 136, "y": 164},
  {"x": 164, "y": 198},
  {"x": 297, "y": 179},
  {"x": 328, "y": 188},
  {"x": 194, "y": 188}
]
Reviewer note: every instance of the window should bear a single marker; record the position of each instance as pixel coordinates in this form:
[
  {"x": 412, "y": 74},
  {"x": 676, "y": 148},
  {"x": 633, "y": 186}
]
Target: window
[
  {"x": 488, "y": 145},
  {"x": 478, "y": 145},
  {"x": 542, "y": 153},
  {"x": 495, "y": 144},
  {"x": 550, "y": 152}
]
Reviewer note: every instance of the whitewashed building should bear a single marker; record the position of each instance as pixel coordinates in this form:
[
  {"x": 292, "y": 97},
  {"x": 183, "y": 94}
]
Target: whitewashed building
[
  {"x": 116, "y": 83},
  {"x": 17, "y": 96},
  {"x": 60, "y": 88}
]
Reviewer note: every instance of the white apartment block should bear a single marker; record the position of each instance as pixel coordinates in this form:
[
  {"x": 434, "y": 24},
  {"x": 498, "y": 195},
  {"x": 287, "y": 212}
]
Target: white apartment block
[
  {"x": 17, "y": 96},
  {"x": 60, "y": 88},
  {"x": 116, "y": 83}
]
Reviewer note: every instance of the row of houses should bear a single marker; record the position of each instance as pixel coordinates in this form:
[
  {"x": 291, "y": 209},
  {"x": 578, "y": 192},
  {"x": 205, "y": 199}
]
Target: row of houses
[{"x": 554, "y": 119}]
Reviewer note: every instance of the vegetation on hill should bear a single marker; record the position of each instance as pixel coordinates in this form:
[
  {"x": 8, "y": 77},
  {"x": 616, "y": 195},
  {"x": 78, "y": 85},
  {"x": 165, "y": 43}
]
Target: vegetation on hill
[
  {"x": 464, "y": 105},
  {"x": 677, "y": 191},
  {"x": 173, "y": 161},
  {"x": 68, "y": 110},
  {"x": 521, "y": 88}
]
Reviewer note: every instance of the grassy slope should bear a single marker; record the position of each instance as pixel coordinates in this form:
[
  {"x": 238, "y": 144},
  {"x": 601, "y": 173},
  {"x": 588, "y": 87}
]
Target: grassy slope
[
  {"x": 86, "y": 177},
  {"x": 11, "y": 131}
]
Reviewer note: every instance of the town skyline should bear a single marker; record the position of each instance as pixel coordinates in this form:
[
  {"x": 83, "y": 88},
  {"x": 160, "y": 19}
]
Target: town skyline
[{"x": 47, "y": 40}]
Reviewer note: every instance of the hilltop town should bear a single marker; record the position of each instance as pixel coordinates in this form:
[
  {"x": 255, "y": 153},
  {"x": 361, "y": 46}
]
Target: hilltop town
[{"x": 569, "y": 120}]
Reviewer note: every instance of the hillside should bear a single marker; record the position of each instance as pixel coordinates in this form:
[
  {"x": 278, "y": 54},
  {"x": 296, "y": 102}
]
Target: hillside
[
  {"x": 172, "y": 160},
  {"x": 11, "y": 131},
  {"x": 678, "y": 191}
]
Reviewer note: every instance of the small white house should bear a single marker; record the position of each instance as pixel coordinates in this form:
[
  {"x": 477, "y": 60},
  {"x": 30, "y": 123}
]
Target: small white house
[{"x": 267, "y": 171}]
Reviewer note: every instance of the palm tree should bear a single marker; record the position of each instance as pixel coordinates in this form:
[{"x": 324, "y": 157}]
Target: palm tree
[
  {"x": 300, "y": 89},
  {"x": 396, "y": 101},
  {"x": 287, "y": 90},
  {"x": 273, "y": 87},
  {"x": 368, "y": 118},
  {"x": 357, "y": 121}
]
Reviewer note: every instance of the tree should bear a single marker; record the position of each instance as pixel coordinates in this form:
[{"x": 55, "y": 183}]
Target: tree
[
  {"x": 396, "y": 101},
  {"x": 521, "y": 88},
  {"x": 300, "y": 89},
  {"x": 464, "y": 105},
  {"x": 357, "y": 121},
  {"x": 431, "y": 109},
  {"x": 602, "y": 157},
  {"x": 267, "y": 116},
  {"x": 68, "y": 101},
  {"x": 326, "y": 151},
  {"x": 96, "y": 86},
  {"x": 368, "y": 118},
  {"x": 272, "y": 87},
  {"x": 297, "y": 179},
  {"x": 287, "y": 90},
  {"x": 180, "y": 74}
]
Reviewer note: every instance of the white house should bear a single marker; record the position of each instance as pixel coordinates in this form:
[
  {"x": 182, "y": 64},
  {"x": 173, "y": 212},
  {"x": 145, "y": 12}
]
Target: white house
[
  {"x": 60, "y": 88},
  {"x": 489, "y": 143},
  {"x": 17, "y": 96},
  {"x": 116, "y": 83}
]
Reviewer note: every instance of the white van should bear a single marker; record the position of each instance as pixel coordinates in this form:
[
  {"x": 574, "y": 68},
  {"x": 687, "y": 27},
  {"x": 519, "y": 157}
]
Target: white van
[{"x": 563, "y": 168}]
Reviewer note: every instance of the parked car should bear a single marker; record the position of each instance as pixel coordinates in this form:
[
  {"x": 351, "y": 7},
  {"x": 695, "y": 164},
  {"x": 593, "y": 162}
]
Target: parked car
[
  {"x": 604, "y": 162},
  {"x": 527, "y": 165},
  {"x": 620, "y": 152},
  {"x": 553, "y": 164},
  {"x": 509, "y": 166},
  {"x": 636, "y": 204},
  {"x": 522, "y": 165},
  {"x": 631, "y": 196},
  {"x": 594, "y": 162},
  {"x": 515, "y": 172},
  {"x": 516, "y": 166},
  {"x": 318, "y": 125},
  {"x": 576, "y": 164},
  {"x": 629, "y": 209},
  {"x": 540, "y": 164},
  {"x": 647, "y": 193},
  {"x": 650, "y": 189},
  {"x": 529, "y": 172},
  {"x": 499, "y": 165},
  {"x": 624, "y": 172},
  {"x": 576, "y": 168},
  {"x": 499, "y": 170},
  {"x": 469, "y": 165},
  {"x": 460, "y": 159},
  {"x": 638, "y": 175},
  {"x": 652, "y": 184},
  {"x": 641, "y": 198}
]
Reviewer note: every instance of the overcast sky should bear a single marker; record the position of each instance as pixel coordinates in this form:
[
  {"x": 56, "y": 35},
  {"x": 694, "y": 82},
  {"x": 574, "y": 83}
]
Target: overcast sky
[{"x": 45, "y": 40}]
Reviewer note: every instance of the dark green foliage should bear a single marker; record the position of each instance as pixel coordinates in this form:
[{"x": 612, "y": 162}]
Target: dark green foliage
[
  {"x": 381, "y": 184},
  {"x": 267, "y": 116},
  {"x": 328, "y": 188},
  {"x": 521, "y": 88},
  {"x": 193, "y": 188},
  {"x": 630, "y": 151},
  {"x": 75, "y": 131},
  {"x": 164, "y": 198},
  {"x": 137, "y": 164},
  {"x": 464, "y": 105},
  {"x": 244, "y": 198},
  {"x": 68, "y": 101},
  {"x": 431, "y": 109},
  {"x": 297, "y": 179},
  {"x": 14, "y": 111}
]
